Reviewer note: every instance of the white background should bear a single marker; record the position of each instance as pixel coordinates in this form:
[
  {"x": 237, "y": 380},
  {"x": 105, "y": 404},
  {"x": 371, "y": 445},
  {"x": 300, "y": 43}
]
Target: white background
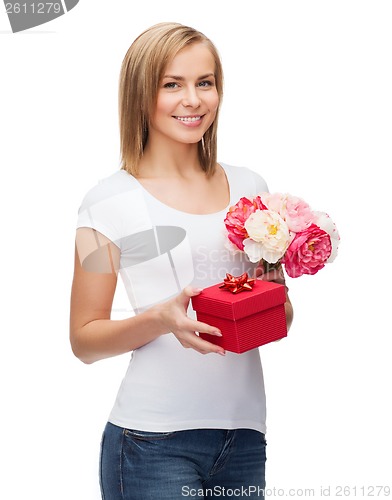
[{"x": 308, "y": 105}]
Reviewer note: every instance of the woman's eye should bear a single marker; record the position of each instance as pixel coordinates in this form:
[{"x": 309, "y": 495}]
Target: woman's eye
[
  {"x": 170, "y": 85},
  {"x": 206, "y": 83}
]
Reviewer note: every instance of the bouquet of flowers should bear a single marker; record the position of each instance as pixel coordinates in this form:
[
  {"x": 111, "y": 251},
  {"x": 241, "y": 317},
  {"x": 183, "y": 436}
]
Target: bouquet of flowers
[{"x": 282, "y": 229}]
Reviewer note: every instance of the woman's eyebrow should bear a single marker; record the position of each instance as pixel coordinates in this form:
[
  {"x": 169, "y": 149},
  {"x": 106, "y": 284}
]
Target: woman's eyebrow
[{"x": 181, "y": 78}]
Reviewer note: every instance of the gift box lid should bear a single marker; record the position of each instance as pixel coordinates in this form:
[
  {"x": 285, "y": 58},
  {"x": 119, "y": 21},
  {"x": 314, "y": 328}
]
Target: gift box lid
[{"x": 221, "y": 302}]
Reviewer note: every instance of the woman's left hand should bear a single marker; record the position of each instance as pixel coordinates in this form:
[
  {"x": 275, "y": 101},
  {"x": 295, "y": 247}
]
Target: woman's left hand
[{"x": 276, "y": 275}]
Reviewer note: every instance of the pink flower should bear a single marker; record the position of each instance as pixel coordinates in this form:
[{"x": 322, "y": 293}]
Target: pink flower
[
  {"x": 236, "y": 217},
  {"x": 308, "y": 252},
  {"x": 324, "y": 222},
  {"x": 294, "y": 211}
]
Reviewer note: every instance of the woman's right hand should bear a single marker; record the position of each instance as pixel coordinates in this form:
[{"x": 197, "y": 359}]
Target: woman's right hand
[
  {"x": 94, "y": 335},
  {"x": 173, "y": 314}
]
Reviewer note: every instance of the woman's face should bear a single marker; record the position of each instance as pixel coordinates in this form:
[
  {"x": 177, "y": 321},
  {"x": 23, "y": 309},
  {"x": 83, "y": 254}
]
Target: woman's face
[{"x": 187, "y": 99}]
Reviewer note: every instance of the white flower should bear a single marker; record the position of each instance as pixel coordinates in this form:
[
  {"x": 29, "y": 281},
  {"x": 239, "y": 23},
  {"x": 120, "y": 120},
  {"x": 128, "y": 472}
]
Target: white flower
[
  {"x": 269, "y": 236},
  {"x": 324, "y": 222}
]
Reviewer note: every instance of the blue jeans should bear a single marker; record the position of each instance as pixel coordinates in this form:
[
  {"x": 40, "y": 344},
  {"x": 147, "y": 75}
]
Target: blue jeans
[{"x": 199, "y": 463}]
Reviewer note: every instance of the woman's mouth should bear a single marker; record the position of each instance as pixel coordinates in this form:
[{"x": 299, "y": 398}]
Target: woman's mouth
[{"x": 191, "y": 120}]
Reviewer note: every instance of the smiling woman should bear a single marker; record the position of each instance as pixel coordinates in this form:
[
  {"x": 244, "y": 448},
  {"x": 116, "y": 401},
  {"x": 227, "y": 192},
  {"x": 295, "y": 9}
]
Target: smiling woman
[
  {"x": 147, "y": 69},
  {"x": 186, "y": 103},
  {"x": 180, "y": 419}
]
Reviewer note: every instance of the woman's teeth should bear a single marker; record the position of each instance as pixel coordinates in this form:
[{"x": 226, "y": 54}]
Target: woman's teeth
[{"x": 188, "y": 119}]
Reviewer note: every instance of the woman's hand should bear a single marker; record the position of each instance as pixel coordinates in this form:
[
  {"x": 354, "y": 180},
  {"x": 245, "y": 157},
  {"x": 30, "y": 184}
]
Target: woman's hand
[
  {"x": 173, "y": 314},
  {"x": 277, "y": 276}
]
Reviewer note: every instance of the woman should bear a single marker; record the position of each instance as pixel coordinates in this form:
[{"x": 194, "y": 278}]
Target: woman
[{"x": 182, "y": 424}]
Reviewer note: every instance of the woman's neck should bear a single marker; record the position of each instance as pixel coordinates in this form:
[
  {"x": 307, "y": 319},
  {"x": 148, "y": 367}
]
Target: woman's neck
[{"x": 161, "y": 159}]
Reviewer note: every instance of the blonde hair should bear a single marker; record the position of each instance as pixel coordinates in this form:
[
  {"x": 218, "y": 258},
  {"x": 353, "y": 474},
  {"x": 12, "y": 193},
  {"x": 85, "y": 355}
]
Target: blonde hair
[{"x": 141, "y": 72}]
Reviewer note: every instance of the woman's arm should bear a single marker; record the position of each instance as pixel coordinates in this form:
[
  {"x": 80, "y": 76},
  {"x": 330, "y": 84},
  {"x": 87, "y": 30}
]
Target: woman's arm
[
  {"x": 94, "y": 335},
  {"x": 288, "y": 307},
  {"x": 277, "y": 276}
]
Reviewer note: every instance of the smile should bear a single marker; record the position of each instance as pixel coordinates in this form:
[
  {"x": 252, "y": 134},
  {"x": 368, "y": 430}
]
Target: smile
[{"x": 188, "y": 118}]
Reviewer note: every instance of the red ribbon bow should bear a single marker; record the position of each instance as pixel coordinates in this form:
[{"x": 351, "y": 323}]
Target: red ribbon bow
[{"x": 237, "y": 284}]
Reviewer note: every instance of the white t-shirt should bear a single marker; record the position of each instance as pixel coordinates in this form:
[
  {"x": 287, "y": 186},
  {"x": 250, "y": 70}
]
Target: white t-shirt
[{"x": 167, "y": 387}]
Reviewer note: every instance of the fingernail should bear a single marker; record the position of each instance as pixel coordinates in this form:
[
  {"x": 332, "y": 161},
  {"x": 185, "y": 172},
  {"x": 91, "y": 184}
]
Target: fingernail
[
  {"x": 217, "y": 333},
  {"x": 197, "y": 290},
  {"x": 222, "y": 353}
]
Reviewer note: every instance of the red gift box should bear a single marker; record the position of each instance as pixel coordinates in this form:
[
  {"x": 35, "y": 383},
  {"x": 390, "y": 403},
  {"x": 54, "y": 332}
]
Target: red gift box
[{"x": 247, "y": 319}]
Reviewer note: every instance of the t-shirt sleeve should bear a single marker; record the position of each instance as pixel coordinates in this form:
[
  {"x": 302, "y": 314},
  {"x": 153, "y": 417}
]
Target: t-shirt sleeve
[
  {"x": 98, "y": 211},
  {"x": 259, "y": 183},
  {"x": 116, "y": 208}
]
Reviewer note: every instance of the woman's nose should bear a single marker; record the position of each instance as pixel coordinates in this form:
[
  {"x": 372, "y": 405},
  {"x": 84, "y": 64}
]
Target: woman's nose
[{"x": 191, "y": 97}]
